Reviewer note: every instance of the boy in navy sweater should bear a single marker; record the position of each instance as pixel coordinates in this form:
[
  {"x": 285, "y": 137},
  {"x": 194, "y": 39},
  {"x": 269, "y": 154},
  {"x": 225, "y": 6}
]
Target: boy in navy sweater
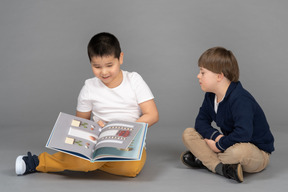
[{"x": 245, "y": 141}]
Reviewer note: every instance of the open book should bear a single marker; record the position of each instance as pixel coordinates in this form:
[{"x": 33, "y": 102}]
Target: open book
[{"x": 116, "y": 141}]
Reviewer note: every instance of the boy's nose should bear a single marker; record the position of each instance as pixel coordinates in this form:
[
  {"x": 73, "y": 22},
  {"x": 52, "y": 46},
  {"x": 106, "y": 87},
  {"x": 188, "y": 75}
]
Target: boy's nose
[{"x": 104, "y": 71}]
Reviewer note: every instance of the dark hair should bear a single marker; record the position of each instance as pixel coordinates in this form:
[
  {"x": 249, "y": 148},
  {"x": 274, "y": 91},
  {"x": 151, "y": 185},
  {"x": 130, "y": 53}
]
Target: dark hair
[
  {"x": 104, "y": 44},
  {"x": 220, "y": 60}
]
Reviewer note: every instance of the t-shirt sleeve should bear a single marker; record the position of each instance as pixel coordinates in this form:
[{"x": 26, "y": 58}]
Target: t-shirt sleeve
[
  {"x": 84, "y": 103},
  {"x": 142, "y": 90}
]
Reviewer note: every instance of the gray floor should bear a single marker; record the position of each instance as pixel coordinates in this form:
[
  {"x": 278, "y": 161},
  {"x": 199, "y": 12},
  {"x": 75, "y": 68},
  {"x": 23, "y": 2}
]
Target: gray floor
[{"x": 163, "y": 170}]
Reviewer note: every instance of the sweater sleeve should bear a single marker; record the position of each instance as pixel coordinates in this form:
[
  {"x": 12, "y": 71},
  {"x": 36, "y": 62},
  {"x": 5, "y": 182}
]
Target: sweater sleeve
[
  {"x": 242, "y": 110},
  {"x": 204, "y": 120}
]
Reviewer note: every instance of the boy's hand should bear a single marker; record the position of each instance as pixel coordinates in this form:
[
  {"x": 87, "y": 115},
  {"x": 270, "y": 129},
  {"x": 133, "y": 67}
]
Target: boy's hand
[
  {"x": 101, "y": 123},
  {"x": 212, "y": 145},
  {"x": 218, "y": 138}
]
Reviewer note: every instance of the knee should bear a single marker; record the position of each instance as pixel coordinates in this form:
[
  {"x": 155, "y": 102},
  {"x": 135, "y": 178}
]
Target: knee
[
  {"x": 134, "y": 168},
  {"x": 190, "y": 133},
  {"x": 127, "y": 171},
  {"x": 132, "y": 172},
  {"x": 125, "y": 168},
  {"x": 239, "y": 150}
]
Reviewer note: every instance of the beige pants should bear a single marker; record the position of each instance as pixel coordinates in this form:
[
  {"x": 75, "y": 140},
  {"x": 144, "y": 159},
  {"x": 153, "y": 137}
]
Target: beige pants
[{"x": 248, "y": 155}]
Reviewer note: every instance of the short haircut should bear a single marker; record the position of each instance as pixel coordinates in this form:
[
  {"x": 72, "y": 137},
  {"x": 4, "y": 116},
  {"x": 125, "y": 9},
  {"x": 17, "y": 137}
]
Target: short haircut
[
  {"x": 220, "y": 60},
  {"x": 103, "y": 44}
]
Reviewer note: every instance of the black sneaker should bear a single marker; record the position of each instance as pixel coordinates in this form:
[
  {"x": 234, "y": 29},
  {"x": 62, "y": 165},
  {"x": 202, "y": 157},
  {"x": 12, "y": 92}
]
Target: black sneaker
[
  {"x": 26, "y": 164},
  {"x": 190, "y": 160},
  {"x": 233, "y": 171}
]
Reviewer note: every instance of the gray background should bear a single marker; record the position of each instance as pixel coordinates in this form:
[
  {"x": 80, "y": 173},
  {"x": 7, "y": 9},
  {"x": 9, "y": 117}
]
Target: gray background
[{"x": 44, "y": 65}]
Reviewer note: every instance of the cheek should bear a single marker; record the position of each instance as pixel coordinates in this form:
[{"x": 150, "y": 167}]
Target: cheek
[
  {"x": 202, "y": 79},
  {"x": 96, "y": 72},
  {"x": 115, "y": 70}
]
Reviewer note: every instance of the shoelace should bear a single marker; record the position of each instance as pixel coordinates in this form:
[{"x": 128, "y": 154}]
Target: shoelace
[{"x": 31, "y": 162}]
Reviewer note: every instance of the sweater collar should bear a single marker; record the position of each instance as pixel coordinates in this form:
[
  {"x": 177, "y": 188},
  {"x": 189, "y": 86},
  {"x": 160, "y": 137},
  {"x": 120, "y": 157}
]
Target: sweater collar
[{"x": 231, "y": 87}]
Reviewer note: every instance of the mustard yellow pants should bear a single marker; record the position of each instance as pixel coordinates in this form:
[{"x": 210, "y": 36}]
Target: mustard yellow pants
[{"x": 61, "y": 161}]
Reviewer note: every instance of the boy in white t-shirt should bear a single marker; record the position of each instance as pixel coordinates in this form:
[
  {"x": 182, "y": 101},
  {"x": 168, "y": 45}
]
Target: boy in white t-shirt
[{"x": 112, "y": 95}]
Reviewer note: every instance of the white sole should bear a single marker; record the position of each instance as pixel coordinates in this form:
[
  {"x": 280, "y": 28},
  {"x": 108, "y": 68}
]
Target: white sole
[{"x": 20, "y": 166}]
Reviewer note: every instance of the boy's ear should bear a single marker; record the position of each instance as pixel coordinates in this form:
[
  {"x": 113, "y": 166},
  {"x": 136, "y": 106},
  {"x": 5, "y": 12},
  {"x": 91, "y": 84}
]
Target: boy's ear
[
  {"x": 220, "y": 76},
  {"x": 121, "y": 58}
]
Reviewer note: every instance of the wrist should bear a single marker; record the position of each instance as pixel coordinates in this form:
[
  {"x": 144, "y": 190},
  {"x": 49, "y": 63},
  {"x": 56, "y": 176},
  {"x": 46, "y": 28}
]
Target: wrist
[{"x": 218, "y": 138}]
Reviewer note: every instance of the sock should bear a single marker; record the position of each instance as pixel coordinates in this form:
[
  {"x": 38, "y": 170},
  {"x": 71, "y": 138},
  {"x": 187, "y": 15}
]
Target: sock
[{"x": 219, "y": 168}]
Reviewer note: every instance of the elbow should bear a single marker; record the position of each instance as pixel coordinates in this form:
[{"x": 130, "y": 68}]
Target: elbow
[{"x": 155, "y": 119}]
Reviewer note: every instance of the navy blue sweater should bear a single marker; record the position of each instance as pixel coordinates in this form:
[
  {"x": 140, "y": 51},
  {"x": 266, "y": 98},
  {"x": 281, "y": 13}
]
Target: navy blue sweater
[{"x": 239, "y": 117}]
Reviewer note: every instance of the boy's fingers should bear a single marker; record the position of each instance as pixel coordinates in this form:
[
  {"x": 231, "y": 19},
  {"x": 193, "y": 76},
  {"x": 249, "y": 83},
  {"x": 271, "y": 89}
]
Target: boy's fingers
[{"x": 101, "y": 123}]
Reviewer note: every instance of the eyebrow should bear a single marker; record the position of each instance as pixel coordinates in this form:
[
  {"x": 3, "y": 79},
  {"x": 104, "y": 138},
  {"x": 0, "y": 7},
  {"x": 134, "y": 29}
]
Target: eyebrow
[{"x": 96, "y": 64}]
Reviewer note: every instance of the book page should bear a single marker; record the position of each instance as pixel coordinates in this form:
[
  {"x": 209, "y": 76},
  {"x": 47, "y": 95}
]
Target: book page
[
  {"x": 118, "y": 134},
  {"x": 81, "y": 137},
  {"x": 132, "y": 153},
  {"x": 74, "y": 134}
]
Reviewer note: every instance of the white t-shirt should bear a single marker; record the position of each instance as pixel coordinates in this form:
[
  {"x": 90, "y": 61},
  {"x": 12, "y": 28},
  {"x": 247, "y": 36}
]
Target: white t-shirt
[
  {"x": 216, "y": 104},
  {"x": 119, "y": 103}
]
